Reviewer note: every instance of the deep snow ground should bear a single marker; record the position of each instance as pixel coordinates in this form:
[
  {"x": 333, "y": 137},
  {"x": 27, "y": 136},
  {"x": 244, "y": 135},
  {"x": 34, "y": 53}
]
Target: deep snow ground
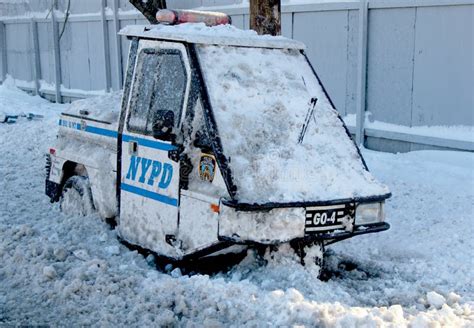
[{"x": 63, "y": 270}]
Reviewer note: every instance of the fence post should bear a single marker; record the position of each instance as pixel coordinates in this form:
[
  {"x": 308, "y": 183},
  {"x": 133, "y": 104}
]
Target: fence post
[
  {"x": 105, "y": 38},
  {"x": 37, "y": 63},
  {"x": 118, "y": 45},
  {"x": 57, "y": 58},
  {"x": 3, "y": 50},
  {"x": 362, "y": 72}
]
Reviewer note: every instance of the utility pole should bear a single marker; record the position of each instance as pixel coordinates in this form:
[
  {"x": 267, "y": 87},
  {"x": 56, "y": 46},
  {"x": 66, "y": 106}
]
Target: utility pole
[
  {"x": 265, "y": 16},
  {"x": 149, "y": 8}
]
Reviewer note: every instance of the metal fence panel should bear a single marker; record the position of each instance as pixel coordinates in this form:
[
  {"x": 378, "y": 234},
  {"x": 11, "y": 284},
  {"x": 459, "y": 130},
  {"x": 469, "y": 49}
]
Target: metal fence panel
[
  {"x": 19, "y": 51},
  {"x": 286, "y": 24},
  {"x": 80, "y": 71},
  {"x": 3, "y": 51},
  {"x": 125, "y": 44},
  {"x": 351, "y": 68},
  {"x": 325, "y": 35},
  {"x": 67, "y": 61},
  {"x": 96, "y": 56},
  {"x": 115, "y": 80},
  {"x": 443, "y": 90},
  {"x": 390, "y": 64},
  {"x": 46, "y": 51},
  {"x": 238, "y": 21}
]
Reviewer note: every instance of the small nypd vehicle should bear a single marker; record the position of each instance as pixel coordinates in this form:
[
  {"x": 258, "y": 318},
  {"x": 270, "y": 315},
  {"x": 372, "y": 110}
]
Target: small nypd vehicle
[{"x": 220, "y": 138}]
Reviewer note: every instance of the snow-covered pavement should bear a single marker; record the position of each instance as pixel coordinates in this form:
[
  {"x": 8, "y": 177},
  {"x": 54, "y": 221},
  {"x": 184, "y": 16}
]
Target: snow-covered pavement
[{"x": 72, "y": 271}]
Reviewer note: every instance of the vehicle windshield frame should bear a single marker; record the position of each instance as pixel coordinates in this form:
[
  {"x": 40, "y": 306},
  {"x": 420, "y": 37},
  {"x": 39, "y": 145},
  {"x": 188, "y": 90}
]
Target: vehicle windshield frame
[{"x": 223, "y": 161}]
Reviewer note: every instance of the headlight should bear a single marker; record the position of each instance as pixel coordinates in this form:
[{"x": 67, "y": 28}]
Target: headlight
[{"x": 369, "y": 213}]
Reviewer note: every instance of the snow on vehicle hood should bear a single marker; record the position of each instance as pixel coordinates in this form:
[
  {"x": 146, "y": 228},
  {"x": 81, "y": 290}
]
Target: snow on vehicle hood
[
  {"x": 103, "y": 108},
  {"x": 221, "y": 34},
  {"x": 260, "y": 99}
]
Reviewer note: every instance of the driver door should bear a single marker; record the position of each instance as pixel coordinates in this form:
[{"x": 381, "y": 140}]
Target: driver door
[{"x": 149, "y": 186}]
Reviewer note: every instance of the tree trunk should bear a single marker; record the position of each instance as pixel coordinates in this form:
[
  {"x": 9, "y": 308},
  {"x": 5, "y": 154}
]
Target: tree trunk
[
  {"x": 265, "y": 16},
  {"x": 149, "y": 8}
]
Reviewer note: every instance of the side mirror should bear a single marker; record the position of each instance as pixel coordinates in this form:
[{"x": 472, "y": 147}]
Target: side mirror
[{"x": 163, "y": 124}]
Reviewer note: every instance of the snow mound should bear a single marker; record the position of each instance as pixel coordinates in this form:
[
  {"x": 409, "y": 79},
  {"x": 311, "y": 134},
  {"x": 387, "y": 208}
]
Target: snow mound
[
  {"x": 14, "y": 101},
  {"x": 104, "y": 108}
]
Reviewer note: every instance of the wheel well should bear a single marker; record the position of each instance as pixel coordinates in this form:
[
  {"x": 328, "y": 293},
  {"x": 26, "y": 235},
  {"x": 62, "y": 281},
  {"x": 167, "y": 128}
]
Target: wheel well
[{"x": 72, "y": 168}]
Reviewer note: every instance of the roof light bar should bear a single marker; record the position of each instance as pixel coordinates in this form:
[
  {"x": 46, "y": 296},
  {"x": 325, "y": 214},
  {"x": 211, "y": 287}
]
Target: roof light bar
[{"x": 173, "y": 17}]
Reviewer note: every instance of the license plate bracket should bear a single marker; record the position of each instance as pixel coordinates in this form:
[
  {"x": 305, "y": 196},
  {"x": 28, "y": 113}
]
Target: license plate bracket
[{"x": 332, "y": 217}]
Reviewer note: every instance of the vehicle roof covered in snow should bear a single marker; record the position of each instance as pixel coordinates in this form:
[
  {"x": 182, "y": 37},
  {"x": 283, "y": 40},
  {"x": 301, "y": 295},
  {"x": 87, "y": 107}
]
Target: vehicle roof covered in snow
[{"x": 218, "y": 35}]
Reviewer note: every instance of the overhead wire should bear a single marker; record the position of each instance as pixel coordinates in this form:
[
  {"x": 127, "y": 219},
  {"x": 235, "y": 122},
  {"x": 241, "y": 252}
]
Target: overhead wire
[{"x": 54, "y": 4}]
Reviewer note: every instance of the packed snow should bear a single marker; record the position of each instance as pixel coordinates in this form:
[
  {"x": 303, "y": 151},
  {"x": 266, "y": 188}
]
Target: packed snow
[
  {"x": 72, "y": 271},
  {"x": 261, "y": 100},
  {"x": 457, "y": 132},
  {"x": 220, "y": 34},
  {"x": 105, "y": 108}
]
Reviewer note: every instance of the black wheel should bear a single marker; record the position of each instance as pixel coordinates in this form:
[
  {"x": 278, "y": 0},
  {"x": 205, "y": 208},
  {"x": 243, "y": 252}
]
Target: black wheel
[
  {"x": 76, "y": 196},
  {"x": 311, "y": 256}
]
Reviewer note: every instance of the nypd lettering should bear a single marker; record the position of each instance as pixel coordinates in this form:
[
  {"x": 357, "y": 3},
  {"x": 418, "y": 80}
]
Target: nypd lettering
[
  {"x": 151, "y": 172},
  {"x": 70, "y": 125}
]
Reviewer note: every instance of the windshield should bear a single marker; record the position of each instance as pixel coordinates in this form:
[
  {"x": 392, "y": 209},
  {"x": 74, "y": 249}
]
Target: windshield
[{"x": 263, "y": 101}]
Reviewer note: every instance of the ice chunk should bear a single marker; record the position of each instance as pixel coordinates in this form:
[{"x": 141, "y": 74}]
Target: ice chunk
[
  {"x": 436, "y": 300},
  {"x": 112, "y": 250},
  {"x": 81, "y": 254},
  {"x": 49, "y": 272}
]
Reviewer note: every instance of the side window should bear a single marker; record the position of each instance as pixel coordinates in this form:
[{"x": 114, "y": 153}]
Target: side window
[
  {"x": 142, "y": 91},
  {"x": 160, "y": 84}
]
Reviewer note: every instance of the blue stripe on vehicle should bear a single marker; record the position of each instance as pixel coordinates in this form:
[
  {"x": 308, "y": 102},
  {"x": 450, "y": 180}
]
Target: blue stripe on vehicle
[
  {"x": 113, "y": 134},
  {"x": 69, "y": 124},
  {"x": 149, "y": 143},
  {"x": 149, "y": 194},
  {"x": 100, "y": 131}
]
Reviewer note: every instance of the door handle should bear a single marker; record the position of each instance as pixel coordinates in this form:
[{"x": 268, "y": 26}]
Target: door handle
[{"x": 133, "y": 148}]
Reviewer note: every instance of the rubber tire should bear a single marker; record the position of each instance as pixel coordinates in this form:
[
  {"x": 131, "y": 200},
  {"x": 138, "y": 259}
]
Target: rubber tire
[
  {"x": 314, "y": 258},
  {"x": 311, "y": 256},
  {"x": 76, "y": 197}
]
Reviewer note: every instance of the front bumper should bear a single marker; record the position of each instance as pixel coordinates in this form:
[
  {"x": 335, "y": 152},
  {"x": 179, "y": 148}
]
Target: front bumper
[
  {"x": 271, "y": 227},
  {"x": 281, "y": 225},
  {"x": 331, "y": 237}
]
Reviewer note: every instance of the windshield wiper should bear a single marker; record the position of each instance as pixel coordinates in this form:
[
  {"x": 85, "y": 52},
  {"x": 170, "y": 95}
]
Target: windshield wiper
[{"x": 309, "y": 114}]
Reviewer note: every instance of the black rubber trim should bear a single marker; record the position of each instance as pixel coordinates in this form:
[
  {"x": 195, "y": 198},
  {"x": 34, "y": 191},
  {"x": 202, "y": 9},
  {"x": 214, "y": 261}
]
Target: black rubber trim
[
  {"x": 271, "y": 205},
  {"x": 207, "y": 251},
  {"x": 85, "y": 118},
  {"x": 211, "y": 124},
  {"x": 358, "y": 230},
  {"x": 125, "y": 97},
  {"x": 181, "y": 260},
  {"x": 153, "y": 51},
  {"x": 52, "y": 190},
  {"x": 328, "y": 238}
]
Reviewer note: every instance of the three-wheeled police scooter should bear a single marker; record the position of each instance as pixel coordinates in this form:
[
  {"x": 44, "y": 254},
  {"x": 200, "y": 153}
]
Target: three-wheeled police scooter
[{"x": 221, "y": 138}]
